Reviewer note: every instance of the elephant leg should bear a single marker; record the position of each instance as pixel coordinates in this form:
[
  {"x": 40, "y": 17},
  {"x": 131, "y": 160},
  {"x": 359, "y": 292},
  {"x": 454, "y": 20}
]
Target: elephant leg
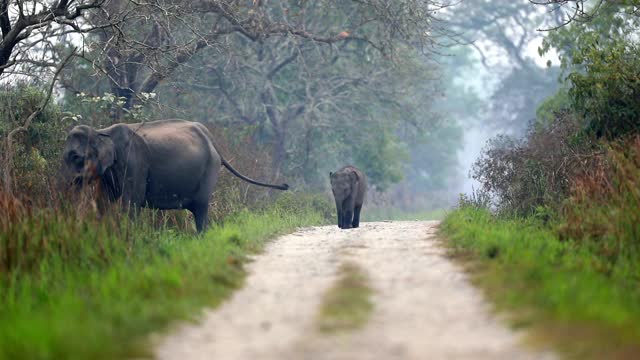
[
  {"x": 347, "y": 211},
  {"x": 133, "y": 190},
  {"x": 340, "y": 213},
  {"x": 356, "y": 216},
  {"x": 346, "y": 219},
  {"x": 347, "y": 214},
  {"x": 200, "y": 213},
  {"x": 201, "y": 204}
]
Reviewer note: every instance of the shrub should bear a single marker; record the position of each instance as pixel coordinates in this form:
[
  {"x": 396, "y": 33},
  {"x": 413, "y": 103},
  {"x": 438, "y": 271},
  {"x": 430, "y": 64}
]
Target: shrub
[
  {"x": 607, "y": 92},
  {"x": 523, "y": 175},
  {"x": 604, "y": 208},
  {"x": 231, "y": 194},
  {"x": 69, "y": 232},
  {"x": 36, "y": 152},
  {"x": 295, "y": 202},
  {"x": 478, "y": 199}
]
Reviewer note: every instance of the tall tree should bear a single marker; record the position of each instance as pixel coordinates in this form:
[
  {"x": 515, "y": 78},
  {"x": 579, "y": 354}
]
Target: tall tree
[
  {"x": 599, "y": 58},
  {"x": 299, "y": 76},
  {"x": 31, "y": 29},
  {"x": 503, "y": 33},
  {"x": 314, "y": 106},
  {"x": 149, "y": 41},
  {"x": 581, "y": 11}
]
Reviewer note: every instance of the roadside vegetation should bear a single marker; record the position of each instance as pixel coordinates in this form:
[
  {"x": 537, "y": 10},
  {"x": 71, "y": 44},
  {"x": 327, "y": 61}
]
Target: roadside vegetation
[
  {"x": 553, "y": 234},
  {"x": 74, "y": 287},
  {"x": 570, "y": 294}
]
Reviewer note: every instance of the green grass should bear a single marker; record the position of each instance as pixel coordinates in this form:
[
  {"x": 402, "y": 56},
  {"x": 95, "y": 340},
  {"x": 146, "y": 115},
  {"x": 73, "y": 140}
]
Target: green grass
[
  {"x": 96, "y": 290},
  {"x": 556, "y": 288},
  {"x": 346, "y": 306}
]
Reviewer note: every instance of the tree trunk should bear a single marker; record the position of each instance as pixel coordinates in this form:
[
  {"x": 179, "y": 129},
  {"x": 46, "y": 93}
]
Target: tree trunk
[{"x": 279, "y": 152}]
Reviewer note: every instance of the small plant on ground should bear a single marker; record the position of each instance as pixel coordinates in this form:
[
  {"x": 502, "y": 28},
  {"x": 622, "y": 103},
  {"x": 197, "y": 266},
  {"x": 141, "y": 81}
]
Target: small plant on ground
[{"x": 347, "y": 305}]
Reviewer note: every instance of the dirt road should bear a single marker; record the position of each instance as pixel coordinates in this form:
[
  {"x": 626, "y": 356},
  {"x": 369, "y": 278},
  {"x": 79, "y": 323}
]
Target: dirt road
[{"x": 424, "y": 306}]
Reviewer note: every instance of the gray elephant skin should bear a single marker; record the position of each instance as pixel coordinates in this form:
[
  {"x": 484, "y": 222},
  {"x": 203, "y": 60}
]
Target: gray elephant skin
[
  {"x": 164, "y": 164},
  {"x": 349, "y": 186}
]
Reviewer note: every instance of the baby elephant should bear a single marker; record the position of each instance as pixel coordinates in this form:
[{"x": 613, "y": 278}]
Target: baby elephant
[{"x": 349, "y": 186}]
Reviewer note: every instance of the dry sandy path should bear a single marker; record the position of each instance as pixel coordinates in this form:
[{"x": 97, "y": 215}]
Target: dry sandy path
[{"x": 425, "y": 307}]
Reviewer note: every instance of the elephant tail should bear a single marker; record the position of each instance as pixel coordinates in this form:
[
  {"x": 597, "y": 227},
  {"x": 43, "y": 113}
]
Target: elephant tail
[{"x": 236, "y": 173}]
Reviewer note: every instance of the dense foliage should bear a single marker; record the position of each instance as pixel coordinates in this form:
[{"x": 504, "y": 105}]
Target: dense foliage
[
  {"x": 30, "y": 157},
  {"x": 597, "y": 102},
  {"x": 526, "y": 175}
]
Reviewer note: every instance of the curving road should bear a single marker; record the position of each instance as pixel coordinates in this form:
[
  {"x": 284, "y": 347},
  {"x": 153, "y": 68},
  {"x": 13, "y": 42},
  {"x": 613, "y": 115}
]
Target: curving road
[{"x": 425, "y": 307}]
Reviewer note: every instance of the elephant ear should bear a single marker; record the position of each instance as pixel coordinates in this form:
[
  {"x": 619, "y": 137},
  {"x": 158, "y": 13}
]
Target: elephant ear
[
  {"x": 106, "y": 152},
  {"x": 354, "y": 177}
]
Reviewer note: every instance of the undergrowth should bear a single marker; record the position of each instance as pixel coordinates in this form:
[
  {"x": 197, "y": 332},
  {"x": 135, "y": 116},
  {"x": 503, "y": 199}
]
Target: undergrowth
[
  {"x": 575, "y": 277},
  {"x": 604, "y": 209},
  {"x": 74, "y": 287},
  {"x": 554, "y": 285}
]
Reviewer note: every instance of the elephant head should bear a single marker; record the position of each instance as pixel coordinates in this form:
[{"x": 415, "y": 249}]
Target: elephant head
[
  {"x": 342, "y": 183},
  {"x": 116, "y": 158},
  {"x": 88, "y": 154}
]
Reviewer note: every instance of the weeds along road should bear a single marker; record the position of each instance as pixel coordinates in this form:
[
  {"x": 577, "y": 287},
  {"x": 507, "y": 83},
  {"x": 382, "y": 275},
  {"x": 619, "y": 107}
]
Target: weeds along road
[{"x": 423, "y": 305}]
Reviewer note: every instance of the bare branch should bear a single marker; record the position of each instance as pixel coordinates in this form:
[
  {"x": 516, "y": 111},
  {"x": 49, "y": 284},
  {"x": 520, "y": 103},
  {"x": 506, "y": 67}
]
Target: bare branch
[{"x": 578, "y": 10}]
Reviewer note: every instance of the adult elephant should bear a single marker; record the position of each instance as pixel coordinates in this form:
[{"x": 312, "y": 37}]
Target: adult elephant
[
  {"x": 349, "y": 186},
  {"x": 165, "y": 164}
]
